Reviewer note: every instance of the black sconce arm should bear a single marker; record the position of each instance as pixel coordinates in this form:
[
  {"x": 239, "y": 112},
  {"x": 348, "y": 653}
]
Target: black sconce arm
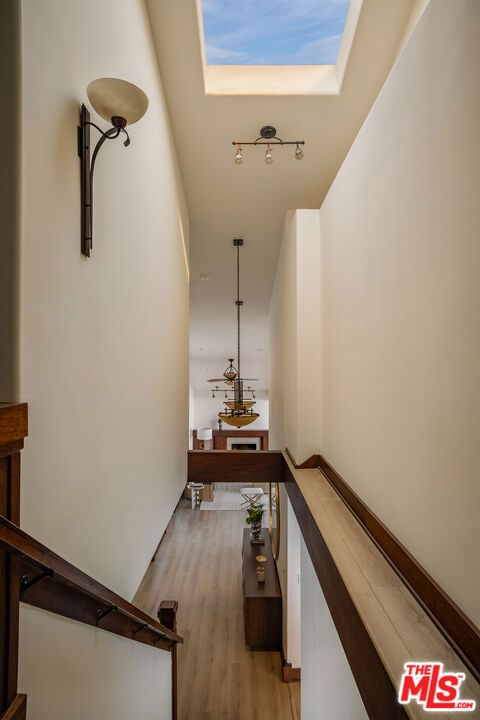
[{"x": 88, "y": 166}]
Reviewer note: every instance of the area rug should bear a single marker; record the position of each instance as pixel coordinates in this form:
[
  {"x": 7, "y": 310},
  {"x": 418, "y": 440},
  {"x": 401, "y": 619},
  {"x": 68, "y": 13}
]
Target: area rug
[{"x": 227, "y": 496}]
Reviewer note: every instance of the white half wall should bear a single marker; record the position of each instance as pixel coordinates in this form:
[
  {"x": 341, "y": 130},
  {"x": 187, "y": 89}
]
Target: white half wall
[
  {"x": 72, "y": 670},
  {"x": 328, "y": 688}
]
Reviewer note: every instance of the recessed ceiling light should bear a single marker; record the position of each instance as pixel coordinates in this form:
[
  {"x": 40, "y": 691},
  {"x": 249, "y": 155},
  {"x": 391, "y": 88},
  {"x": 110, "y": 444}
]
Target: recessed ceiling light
[{"x": 204, "y": 276}]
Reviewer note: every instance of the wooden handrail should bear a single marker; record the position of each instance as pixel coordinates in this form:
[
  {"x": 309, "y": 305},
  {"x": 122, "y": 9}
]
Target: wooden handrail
[
  {"x": 310, "y": 488},
  {"x": 62, "y": 588},
  {"x": 453, "y": 624},
  {"x": 17, "y": 710}
]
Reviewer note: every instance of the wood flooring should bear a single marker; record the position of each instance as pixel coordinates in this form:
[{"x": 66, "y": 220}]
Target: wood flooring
[{"x": 199, "y": 564}]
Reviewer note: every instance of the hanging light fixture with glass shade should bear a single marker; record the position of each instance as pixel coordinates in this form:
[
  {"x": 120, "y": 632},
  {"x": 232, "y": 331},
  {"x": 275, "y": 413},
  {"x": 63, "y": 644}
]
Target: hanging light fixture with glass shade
[
  {"x": 121, "y": 103},
  {"x": 268, "y": 137},
  {"x": 238, "y": 399}
]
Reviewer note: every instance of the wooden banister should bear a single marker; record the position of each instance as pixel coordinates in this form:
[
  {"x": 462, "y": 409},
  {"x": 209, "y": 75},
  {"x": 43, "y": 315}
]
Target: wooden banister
[
  {"x": 13, "y": 430},
  {"x": 17, "y": 710},
  {"x": 31, "y": 572},
  {"x": 453, "y": 624},
  {"x": 62, "y": 588},
  {"x": 167, "y": 614}
]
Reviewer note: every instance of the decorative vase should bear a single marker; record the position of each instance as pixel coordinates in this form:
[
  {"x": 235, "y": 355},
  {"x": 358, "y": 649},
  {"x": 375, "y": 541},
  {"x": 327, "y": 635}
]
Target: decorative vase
[
  {"x": 256, "y": 531},
  {"x": 256, "y": 528}
]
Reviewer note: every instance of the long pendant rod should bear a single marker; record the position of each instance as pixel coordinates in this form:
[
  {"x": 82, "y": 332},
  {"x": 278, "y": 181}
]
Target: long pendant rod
[{"x": 238, "y": 312}]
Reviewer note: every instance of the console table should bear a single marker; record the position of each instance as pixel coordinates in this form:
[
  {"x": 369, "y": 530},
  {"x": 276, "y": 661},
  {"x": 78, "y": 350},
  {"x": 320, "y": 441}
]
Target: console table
[{"x": 262, "y": 602}]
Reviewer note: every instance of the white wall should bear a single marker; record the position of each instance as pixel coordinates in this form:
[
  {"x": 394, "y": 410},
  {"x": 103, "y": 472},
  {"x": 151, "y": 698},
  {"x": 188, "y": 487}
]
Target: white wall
[
  {"x": 292, "y": 633},
  {"x": 328, "y": 688},
  {"x": 400, "y": 302},
  {"x": 206, "y": 409},
  {"x": 128, "y": 680},
  {"x": 398, "y": 408},
  {"x": 283, "y": 345},
  {"x": 191, "y": 407},
  {"x": 104, "y": 341},
  {"x": 295, "y": 393},
  {"x": 295, "y": 373}
]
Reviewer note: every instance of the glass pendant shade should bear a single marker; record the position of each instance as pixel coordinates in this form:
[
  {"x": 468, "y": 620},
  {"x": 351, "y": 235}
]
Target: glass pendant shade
[
  {"x": 112, "y": 97},
  {"x": 232, "y": 405},
  {"x": 238, "y": 420},
  {"x": 238, "y": 158}
]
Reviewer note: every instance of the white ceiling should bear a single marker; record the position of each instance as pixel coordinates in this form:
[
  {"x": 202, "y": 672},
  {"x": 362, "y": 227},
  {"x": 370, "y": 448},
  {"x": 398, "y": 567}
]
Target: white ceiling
[{"x": 249, "y": 201}]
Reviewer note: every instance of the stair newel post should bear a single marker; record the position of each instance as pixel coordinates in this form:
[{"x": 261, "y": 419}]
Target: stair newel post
[
  {"x": 13, "y": 430},
  {"x": 167, "y": 615}
]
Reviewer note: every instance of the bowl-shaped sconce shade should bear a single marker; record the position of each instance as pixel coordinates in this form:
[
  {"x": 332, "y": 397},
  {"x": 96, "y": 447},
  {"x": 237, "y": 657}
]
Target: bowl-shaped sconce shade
[{"x": 111, "y": 97}]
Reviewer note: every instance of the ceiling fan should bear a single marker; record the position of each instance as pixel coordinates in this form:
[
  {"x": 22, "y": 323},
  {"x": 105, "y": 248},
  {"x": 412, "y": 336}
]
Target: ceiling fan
[{"x": 230, "y": 374}]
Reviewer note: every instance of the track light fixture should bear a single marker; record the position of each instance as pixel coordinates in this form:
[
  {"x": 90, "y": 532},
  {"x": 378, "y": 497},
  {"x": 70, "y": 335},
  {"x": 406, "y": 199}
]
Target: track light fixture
[
  {"x": 120, "y": 103},
  {"x": 268, "y": 137}
]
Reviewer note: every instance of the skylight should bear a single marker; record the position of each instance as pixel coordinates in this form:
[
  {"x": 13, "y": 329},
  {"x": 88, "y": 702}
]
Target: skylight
[{"x": 273, "y": 32}]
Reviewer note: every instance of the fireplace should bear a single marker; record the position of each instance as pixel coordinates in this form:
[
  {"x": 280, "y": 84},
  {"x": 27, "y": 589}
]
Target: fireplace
[{"x": 244, "y": 443}]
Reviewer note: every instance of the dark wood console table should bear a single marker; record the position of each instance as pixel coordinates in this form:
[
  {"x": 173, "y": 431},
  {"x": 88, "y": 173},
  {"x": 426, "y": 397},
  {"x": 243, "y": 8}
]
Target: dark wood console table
[{"x": 262, "y": 602}]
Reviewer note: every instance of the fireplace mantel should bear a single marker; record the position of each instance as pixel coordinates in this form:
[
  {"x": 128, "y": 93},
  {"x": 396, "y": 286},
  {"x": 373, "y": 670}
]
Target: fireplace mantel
[{"x": 220, "y": 438}]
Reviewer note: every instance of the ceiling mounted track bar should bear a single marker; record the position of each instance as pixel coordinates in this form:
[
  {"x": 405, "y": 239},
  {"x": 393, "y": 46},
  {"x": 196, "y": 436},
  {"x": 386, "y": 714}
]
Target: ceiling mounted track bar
[{"x": 268, "y": 136}]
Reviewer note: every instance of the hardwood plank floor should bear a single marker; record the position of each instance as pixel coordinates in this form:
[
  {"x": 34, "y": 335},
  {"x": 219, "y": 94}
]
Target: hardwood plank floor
[{"x": 199, "y": 564}]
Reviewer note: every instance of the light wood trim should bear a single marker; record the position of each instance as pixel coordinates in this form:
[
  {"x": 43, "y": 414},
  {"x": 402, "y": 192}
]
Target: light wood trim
[
  {"x": 398, "y": 626},
  {"x": 457, "y": 628}
]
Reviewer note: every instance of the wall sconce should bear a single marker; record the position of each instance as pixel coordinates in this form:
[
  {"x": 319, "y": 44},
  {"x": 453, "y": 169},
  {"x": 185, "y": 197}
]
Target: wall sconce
[
  {"x": 120, "y": 103},
  {"x": 268, "y": 137}
]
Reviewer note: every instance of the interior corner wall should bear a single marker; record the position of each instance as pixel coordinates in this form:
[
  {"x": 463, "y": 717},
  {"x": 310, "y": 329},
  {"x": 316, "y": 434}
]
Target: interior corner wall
[
  {"x": 400, "y": 302},
  {"x": 295, "y": 372},
  {"x": 283, "y": 344},
  {"x": 104, "y": 340}
]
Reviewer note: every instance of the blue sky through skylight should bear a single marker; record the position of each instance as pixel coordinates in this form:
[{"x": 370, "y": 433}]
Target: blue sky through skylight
[{"x": 269, "y": 32}]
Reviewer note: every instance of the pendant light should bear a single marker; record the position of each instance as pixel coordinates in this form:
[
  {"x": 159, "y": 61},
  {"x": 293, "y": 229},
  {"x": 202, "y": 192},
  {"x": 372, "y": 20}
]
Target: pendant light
[{"x": 239, "y": 400}]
